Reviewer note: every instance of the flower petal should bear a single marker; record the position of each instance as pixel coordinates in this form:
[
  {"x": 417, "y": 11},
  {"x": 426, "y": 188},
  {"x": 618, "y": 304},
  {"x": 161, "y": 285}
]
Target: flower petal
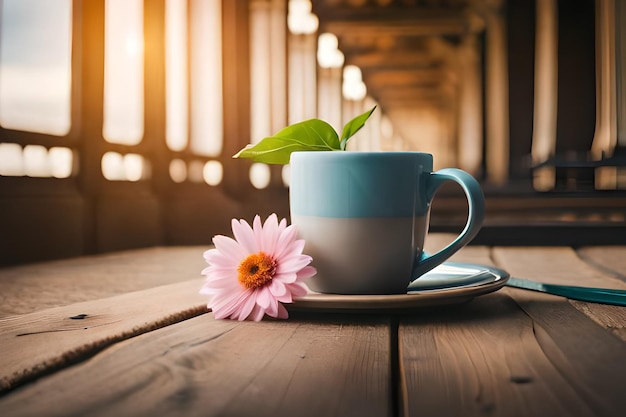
[
  {"x": 282, "y": 312},
  {"x": 228, "y": 298},
  {"x": 272, "y": 310},
  {"x": 209, "y": 253},
  {"x": 277, "y": 288},
  {"x": 244, "y": 235},
  {"x": 282, "y": 225},
  {"x": 284, "y": 245},
  {"x": 226, "y": 304},
  {"x": 257, "y": 313},
  {"x": 224, "y": 312},
  {"x": 293, "y": 264},
  {"x": 216, "y": 286},
  {"x": 229, "y": 248},
  {"x": 295, "y": 248},
  {"x": 287, "y": 298},
  {"x": 264, "y": 298},
  {"x": 217, "y": 274},
  {"x": 246, "y": 307},
  {"x": 270, "y": 235},
  {"x": 298, "y": 289},
  {"x": 222, "y": 262},
  {"x": 216, "y": 258},
  {"x": 221, "y": 302},
  {"x": 257, "y": 228},
  {"x": 220, "y": 274},
  {"x": 306, "y": 272},
  {"x": 286, "y": 278}
]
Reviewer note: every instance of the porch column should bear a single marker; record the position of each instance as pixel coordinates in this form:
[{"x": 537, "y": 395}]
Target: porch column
[
  {"x": 545, "y": 107},
  {"x": 470, "y": 115},
  {"x": 268, "y": 77},
  {"x": 497, "y": 96},
  {"x": 605, "y": 137},
  {"x": 268, "y": 67}
]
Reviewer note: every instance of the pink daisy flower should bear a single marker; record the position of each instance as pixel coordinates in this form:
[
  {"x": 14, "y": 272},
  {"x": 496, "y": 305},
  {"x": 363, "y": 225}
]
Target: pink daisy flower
[{"x": 254, "y": 274}]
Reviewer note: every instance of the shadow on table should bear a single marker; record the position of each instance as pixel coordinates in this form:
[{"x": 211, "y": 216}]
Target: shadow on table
[{"x": 488, "y": 307}]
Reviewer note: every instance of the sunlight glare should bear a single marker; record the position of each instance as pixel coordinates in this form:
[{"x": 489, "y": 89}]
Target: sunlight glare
[
  {"x": 213, "y": 173},
  {"x": 123, "y": 73},
  {"x": 112, "y": 165},
  {"x": 206, "y": 128},
  {"x": 61, "y": 162},
  {"x": 36, "y": 162},
  {"x": 178, "y": 170},
  {"x": 133, "y": 167},
  {"x": 260, "y": 175},
  {"x": 11, "y": 160},
  {"x": 176, "y": 70}
]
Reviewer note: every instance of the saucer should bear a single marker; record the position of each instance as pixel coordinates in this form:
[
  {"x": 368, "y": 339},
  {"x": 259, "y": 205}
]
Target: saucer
[{"x": 447, "y": 284}]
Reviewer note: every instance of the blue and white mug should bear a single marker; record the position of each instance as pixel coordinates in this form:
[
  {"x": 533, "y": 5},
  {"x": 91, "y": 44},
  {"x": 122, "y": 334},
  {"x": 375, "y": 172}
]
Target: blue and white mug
[{"x": 364, "y": 217}]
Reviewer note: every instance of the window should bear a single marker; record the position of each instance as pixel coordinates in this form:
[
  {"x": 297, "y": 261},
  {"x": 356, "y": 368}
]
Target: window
[
  {"x": 194, "y": 115},
  {"x": 35, "y": 65},
  {"x": 177, "y": 92},
  {"x": 206, "y": 77},
  {"x": 123, "y": 72}
]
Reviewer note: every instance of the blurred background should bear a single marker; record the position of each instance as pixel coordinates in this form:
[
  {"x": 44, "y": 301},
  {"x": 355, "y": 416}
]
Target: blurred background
[{"x": 119, "y": 118}]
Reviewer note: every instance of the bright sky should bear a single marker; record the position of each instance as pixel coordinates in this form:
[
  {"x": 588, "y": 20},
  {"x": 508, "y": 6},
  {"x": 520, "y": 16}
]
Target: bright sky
[
  {"x": 35, "y": 62},
  {"x": 34, "y": 32}
]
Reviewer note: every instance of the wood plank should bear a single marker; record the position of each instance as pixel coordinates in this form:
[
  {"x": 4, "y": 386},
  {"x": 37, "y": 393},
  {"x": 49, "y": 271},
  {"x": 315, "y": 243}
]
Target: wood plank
[
  {"x": 33, "y": 287},
  {"x": 29, "y": 288},
  {"x": 560, "y": 265},
  {"x": 611, "y": 259},
  {"x": 206, "y": 367},
  {"x": 491, "y": 357},
  {"x": 591, "y": 358},
  {"x": 482, "y": 359},
  {"x": 554, "y": 265},
  {"x": 38, "y": 343}
]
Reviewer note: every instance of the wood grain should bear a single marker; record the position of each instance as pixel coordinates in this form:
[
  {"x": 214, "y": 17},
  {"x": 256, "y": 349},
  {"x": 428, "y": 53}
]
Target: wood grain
[
  {"x": 592, "y": 359},
  {"x": 34, "y": 287},
  {"x": 38, "y": 343},
  {"x": 207, "y": 367},
  {"x": 578, "y": 338},
  {"x": 561, "y": 265},
  {"x": 154, "y": 352},
  {"x": 480, "y": 360},
  {"x": 610, "y": 259},
  {"x": 554, "y": 265},
  {"x": 518, "y": 352}
]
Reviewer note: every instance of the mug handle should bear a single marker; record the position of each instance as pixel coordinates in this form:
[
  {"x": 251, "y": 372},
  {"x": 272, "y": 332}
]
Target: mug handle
[{"x": 476, "y": 214}]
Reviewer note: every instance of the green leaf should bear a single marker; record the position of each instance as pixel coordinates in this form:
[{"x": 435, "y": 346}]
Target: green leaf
[
  {"x": 309, "y": 135},
  {"x": 313, "y": 132},
  {"x": 354, "y": 126}
]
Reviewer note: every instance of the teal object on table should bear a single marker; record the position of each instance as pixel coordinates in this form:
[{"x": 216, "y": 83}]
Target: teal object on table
[{"x": 594, "y": 295}]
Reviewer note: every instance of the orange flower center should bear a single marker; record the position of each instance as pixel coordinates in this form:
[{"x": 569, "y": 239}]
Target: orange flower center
[{"x": 256, "y": 270}]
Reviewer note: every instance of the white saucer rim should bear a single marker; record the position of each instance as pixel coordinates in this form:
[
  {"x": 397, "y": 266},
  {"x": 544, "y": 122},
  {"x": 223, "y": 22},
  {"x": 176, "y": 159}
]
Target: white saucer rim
[{"x": 410, "y": 300}]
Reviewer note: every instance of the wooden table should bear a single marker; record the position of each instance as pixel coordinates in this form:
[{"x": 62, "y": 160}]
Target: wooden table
[{"x": 127, "y": 334}]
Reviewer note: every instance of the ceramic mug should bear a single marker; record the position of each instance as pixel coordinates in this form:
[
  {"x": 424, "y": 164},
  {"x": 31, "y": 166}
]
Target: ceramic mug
[{"x": 364, "y": 217}]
